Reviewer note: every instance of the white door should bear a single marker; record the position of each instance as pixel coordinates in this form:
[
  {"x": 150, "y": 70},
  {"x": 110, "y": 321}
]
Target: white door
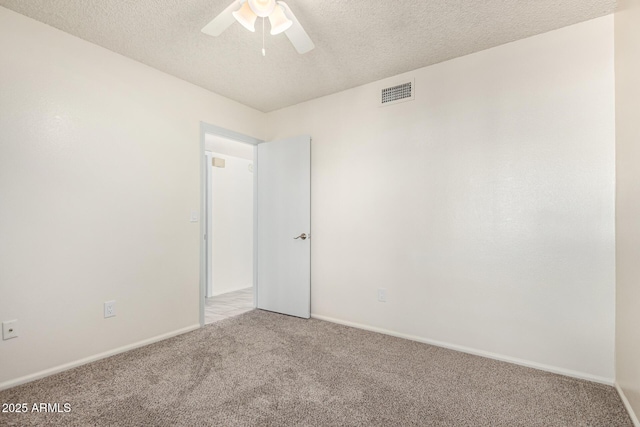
[{"x": 284, "y": 224}]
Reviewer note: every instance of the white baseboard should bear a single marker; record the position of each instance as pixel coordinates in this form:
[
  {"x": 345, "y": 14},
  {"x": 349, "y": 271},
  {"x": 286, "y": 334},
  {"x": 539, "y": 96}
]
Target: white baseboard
[
  {"x": 47, "y": 372},
  {"x": 215, "y": 294},
  {"x": 627, "y": 405},
  {"x": 522, "y": 362}
]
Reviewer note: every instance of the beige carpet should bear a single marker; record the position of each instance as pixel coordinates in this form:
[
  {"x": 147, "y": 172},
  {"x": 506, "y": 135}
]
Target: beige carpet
[{"x": 266, "y": 369}]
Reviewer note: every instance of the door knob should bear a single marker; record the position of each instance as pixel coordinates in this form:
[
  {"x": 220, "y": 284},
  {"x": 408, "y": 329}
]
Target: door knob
[{"x": 303, "y": 236}]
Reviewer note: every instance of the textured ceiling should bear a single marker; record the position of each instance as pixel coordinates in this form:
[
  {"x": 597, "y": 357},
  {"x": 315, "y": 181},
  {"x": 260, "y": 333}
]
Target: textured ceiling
[{"x": 357, "y": 41}]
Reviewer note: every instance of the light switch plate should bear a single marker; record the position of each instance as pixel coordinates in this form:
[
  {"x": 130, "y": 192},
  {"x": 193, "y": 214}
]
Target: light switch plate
[
  {"x": 9, "y": 329},
  {"x": 194, "y": 216}
]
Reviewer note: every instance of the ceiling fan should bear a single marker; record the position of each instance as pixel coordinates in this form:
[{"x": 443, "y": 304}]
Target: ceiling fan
[{"x": 280, "y": 17}]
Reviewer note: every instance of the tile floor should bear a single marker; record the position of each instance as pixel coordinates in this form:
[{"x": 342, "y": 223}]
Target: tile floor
[{"x": 228, "y": 305}]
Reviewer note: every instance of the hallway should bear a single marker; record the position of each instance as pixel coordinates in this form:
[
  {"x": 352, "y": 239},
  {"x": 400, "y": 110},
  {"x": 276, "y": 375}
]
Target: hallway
[{"x": 228, "y": 305}]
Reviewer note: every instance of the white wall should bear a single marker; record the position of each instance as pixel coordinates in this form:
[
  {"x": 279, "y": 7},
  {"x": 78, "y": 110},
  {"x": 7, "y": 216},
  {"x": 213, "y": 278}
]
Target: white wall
[
  {"x": 485, "y": 207},
  {"x": 627, "y": 41},
  {"x": 232, "y": 228},
  {"x": 228, "y": 147},
  {"x": 99, "y": 170}
]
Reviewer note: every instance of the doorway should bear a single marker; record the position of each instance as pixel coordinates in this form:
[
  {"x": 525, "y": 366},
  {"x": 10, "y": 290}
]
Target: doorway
[
  {"x": 280, "y": 261},
  {"x": 228, "y": 223}
]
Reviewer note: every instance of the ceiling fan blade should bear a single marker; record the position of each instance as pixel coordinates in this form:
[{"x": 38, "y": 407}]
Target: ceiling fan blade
[
  {"x": 222, "y": 21},
  {"x": 296, "y": 34}
]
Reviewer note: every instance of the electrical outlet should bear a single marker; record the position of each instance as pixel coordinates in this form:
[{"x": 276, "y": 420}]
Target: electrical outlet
[
  {"x": 9, "y": 329},
  {"x": 382, "y": 295},
  {"x": 109, "y": 309}
]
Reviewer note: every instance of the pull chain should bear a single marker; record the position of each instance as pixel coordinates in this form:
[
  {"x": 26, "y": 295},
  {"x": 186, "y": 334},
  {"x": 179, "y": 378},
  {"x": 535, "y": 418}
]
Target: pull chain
[{"x": 264, "y": 52}]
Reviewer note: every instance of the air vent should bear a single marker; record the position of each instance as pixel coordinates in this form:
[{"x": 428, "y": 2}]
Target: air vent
[{"x": 397, "y": 93}]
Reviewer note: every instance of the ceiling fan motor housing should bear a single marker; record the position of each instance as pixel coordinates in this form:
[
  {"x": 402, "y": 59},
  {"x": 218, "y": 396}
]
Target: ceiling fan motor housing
[{"x": 262, "y": 8}]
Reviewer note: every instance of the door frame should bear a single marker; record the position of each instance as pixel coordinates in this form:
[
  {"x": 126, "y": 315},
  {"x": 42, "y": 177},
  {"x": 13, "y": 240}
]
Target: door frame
[
  {"x": 207, "y": 223},
  {"x": 207, "y": 128}
]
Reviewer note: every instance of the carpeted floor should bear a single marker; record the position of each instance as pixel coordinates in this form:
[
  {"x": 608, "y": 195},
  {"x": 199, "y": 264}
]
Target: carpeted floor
[{"x": 266, "y": 369}]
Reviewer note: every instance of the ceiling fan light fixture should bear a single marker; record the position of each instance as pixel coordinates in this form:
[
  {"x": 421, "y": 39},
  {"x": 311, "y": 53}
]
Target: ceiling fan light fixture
[
  {"x": 280, "y": 15},
  {"x": 246, "y": 17},
  {"x": 279, "y": 21},
  {"x": 262, "y": 8}
]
